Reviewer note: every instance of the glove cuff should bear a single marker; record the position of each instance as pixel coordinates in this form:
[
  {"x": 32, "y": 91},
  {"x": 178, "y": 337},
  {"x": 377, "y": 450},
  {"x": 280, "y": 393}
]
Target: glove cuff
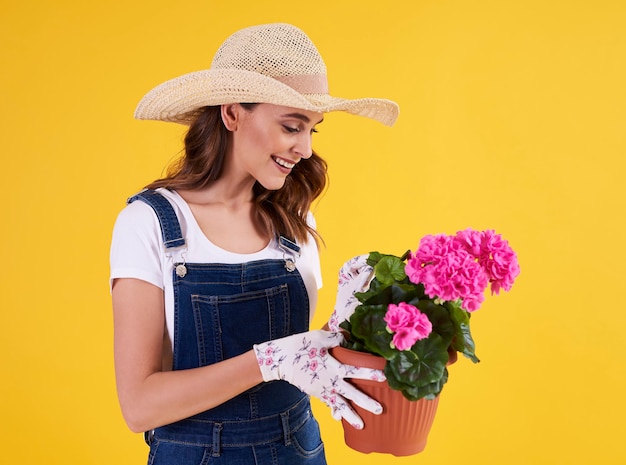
[{"x": 268, "y": 361}]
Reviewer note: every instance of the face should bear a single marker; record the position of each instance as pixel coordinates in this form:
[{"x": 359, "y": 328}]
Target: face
[{"x": 269, "y": 140}]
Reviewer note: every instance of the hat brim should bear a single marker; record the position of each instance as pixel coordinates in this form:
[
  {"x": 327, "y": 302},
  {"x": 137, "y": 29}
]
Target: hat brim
[{"x": 178, "y": 99}]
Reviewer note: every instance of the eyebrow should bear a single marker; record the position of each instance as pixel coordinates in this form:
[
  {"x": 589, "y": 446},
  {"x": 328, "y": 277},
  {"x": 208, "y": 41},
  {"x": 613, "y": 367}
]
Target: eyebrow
[{"x": 301, "y": 117}]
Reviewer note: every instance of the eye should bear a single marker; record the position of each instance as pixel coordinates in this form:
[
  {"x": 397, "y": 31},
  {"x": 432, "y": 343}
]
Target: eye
[{"x": 290, "y": 129}]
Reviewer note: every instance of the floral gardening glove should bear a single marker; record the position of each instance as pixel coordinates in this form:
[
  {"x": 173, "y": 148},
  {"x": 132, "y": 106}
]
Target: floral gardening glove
[
  {"x": 355, "y": 276},
  {"x": 303, "y": 361}
]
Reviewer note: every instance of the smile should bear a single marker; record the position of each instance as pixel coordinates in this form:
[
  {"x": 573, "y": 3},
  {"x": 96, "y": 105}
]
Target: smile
[{"x": 284, "y": 163}]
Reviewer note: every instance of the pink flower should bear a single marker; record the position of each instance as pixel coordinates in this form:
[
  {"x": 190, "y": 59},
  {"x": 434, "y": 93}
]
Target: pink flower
[
  {"x": 400, "y": 316},
  {"x": 312, "y": 352},
  {"x": 313, "y": 365},
  {"x": 462, "y": 266},
  {"x": 404, "y": 338},
  {"x": 434, "y": 248},
  {"x": 407, "y": 324},
  {"x": 450, "y": 275},
  {"x": 471, "y": 304},
  {"x": 499, "y": 261},
  {"x": 471, "y": 240}
]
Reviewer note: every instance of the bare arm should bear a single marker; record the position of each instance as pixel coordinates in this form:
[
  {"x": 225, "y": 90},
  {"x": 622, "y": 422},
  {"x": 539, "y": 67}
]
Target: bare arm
[{"x": 150, "y": 397}]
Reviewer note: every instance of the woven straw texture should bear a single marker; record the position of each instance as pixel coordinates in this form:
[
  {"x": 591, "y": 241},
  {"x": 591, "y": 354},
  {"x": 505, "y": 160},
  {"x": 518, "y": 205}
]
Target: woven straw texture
[{"x": 271, "y": 63}]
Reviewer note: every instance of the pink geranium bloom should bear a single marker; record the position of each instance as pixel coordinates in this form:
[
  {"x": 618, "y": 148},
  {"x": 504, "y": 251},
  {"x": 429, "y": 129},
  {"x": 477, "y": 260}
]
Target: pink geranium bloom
[
  {"x": 472, "y": 241},
  {"x": 494, "y": 254},
  {"x": 400, "y": 316},
  {"x": 407, "y": 324},
  {"x": 434, "y": 248},
  {"x": 449, "y": 273},
  {"x": 405, "y": 338},
  {"x": 500, "y": 262},
  {"x": 462, "y": 266}
]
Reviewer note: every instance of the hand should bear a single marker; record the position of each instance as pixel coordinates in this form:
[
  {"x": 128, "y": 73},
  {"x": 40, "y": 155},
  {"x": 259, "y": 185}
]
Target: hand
[
  {"x": 355, "y": 276},
  {"x": 303, "y": 361}
]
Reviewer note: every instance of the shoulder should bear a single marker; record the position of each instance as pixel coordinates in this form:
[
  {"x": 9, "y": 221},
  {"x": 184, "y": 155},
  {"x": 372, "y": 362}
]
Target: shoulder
[
  {"x": 138, "y": 221},
  {"x": 140, "y": 214},
  {"x": 136, "y": 216},
  {"x": 136, "y": 209},
  {"x": 136, "y": 227}
]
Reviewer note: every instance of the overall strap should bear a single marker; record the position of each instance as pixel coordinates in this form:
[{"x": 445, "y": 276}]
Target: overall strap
[
  {"x": 288, "y": 245},
  {"x": 170, "y": 227},
  {"x": 291, "y": 252}
]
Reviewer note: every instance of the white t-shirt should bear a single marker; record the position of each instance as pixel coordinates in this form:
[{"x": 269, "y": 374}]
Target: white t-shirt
[{"x": 137, "y": 251}]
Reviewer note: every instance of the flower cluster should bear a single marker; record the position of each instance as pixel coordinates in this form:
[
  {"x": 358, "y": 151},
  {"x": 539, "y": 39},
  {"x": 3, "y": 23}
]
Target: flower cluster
[
  {"x": 461, "y": 266},
  {"x": 416, "y": 310},
  {"x": 407, "y": 324}
]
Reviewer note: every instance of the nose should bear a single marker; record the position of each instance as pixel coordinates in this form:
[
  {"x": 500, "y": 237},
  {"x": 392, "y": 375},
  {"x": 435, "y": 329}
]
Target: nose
[{"x": 304, "y": 145}]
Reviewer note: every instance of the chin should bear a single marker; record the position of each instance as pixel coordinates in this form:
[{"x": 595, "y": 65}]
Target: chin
[{"x": 273, "y": 185}]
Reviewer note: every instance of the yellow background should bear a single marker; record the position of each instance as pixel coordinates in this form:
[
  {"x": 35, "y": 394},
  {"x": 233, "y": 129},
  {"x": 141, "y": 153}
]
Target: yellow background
[{"x": 512, "y": 118}]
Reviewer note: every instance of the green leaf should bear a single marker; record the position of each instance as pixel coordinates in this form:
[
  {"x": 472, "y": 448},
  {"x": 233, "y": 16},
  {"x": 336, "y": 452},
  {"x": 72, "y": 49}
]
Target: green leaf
[
  {"x": 424, "y": 363},
  {"x": 389, "y": 269},
  {"x": 413, "y": 393},
  {"x": 463, "y": 341},
  {"x": 373, "y": 258},
  {"x": 376, "y": 294},
  {"x": 345, "y": 325},
  {"x": 421, "y": 371},
  {"x": 405, "y": 292},
  {"x": 439, "y": 316},
  {"x": 379, "y": 294},
  {"x": 370, "y": 328}
]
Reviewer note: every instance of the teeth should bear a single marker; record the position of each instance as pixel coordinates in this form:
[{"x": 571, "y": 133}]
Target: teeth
[{"x": 284, "y": 163}]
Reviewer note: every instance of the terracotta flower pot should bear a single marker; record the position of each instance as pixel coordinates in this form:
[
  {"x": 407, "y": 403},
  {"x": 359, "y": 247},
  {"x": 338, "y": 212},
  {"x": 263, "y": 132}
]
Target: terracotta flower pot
[{"x": 403, "y": 427}]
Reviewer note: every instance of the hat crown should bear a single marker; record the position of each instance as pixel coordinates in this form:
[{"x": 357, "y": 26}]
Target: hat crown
[{"x": 274, "y": 50}]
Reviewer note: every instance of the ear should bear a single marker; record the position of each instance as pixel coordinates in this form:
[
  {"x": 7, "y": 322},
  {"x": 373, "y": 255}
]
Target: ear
[{"x": 230, "y": 116}]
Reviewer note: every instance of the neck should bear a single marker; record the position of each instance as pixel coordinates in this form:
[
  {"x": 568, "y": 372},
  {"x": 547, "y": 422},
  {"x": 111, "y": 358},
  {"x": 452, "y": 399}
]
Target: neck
[{"x": 221, "y": 193}]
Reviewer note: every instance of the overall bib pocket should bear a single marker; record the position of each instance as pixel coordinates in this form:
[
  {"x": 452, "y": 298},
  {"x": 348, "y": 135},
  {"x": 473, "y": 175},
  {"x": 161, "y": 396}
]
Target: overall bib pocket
[{"x": 228, "y": 325}]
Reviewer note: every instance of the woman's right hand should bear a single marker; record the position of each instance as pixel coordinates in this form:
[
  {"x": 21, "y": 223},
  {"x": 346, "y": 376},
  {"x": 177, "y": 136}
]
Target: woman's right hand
[{"x": 303, "y": 360}]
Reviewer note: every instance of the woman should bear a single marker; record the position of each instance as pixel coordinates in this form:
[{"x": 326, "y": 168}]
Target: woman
[{"x": 215, "y": 268}]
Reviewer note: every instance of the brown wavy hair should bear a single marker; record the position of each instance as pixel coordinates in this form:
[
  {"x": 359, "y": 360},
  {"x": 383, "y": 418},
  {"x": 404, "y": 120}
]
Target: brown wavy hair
[{"x": 283, "y": 211}]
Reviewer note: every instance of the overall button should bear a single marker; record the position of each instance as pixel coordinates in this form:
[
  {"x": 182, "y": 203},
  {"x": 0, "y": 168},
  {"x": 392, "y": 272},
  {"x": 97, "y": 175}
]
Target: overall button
[
  {"x": 181, "y": 270},
  {"x": 289, "y": 265}
]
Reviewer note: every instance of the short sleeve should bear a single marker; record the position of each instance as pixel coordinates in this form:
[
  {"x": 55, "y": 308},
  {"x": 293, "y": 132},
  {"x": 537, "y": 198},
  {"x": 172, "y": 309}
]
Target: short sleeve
[{"x": 136, "y": 250}]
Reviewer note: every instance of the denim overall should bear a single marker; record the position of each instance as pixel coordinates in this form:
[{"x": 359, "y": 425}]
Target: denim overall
[{"x": 220, "y": 311}]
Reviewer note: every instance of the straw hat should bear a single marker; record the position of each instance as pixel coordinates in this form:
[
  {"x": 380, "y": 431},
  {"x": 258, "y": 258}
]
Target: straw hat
[{"x": 270, "y": 63}]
